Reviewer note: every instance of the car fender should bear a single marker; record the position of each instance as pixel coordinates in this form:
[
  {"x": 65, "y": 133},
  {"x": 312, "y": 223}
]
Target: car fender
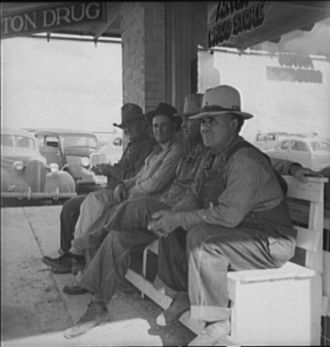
[
  {"x": 61, "y": 180},
  {"x": 12, "y": 181}
]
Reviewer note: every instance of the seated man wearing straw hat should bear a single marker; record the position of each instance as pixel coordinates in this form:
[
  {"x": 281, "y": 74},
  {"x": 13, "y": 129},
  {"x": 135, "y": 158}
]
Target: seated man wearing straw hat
[{"x": 243, "y": 223}]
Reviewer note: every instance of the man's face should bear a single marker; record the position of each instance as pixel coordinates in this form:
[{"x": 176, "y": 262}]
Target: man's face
[
  {"x": 190, "y": 128},
  {"x": 217, "y": 131},
  {"x": 133, "y": 130},
  {"x": 162, "y": 128}
]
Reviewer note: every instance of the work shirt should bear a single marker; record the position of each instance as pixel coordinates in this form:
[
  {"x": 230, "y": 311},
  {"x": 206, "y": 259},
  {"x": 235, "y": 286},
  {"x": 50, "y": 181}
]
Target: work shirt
[
  {"x": 158, "y": 171},
  {"x": 132, "y": 159},
  {"x": 186, "y": 173},
  {"x": 249, "y": 185}
]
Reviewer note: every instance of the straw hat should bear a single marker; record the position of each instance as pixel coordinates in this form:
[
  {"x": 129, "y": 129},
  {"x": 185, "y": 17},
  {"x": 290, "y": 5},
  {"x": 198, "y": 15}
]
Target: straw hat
[{"x": 221, "y": 100}]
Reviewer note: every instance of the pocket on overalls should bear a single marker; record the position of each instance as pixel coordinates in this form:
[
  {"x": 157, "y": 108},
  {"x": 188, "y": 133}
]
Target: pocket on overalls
[{"x": 211, "y": 188}]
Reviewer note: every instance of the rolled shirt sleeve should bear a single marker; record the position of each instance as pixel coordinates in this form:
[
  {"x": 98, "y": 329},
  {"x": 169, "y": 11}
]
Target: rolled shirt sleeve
[{"x": 282, "y": 166}]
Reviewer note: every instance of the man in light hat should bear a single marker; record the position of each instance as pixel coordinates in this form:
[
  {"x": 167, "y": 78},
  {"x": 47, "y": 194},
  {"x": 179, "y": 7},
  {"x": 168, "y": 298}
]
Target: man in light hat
[
  {"x": 138, "y": 148},
  {"x": 243, "y": 223}
]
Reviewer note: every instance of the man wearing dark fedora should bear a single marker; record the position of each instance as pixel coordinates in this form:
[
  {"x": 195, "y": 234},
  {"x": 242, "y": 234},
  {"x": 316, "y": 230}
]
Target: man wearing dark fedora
[
  {"x": 139, "y": 146},
  {"x": 153, "y": 178},
  {"x": 243, "y": 222}
]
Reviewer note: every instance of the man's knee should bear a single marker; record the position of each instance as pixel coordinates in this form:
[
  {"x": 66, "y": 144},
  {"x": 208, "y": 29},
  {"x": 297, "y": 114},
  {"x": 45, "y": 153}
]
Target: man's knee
[{"x": 196, "y": 236}]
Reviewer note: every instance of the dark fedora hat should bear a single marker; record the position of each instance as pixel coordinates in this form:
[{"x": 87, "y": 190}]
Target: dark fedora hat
[
  {"x": 164, "y": 109},
  {"x": 130, "y": 113},
  {"x": 192, "y": 104}
]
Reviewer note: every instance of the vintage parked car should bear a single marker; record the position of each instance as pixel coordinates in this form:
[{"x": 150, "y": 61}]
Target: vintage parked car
[
  {"x": 25, "y": 173},
  {"x": 112, "y": 150},
  {"x": 76, "y": 153},
  {"x": 269, "y": 140},
  {"x": 266, "y": 141},
  {"x": 311, "y": 152}
]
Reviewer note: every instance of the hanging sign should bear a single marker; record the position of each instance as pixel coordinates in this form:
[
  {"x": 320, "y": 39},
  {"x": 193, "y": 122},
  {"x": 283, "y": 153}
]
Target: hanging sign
[
  {"x": 47, "y": 19},
  {"x": 234, "y": 18},
  {"x": 294, "y": 68}
]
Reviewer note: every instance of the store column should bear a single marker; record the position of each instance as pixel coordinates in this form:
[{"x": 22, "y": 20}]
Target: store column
[{"x": 159, "y": 50}]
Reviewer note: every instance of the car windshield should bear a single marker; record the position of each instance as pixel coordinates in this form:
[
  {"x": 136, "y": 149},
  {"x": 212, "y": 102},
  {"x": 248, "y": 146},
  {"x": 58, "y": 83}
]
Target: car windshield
[
  {"x": 18, "y": 141},
  {"x": 321, "y": 146},
  {"x": 78, "y": 141}
]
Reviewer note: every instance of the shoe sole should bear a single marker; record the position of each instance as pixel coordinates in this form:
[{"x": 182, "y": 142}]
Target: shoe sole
[
  {"x": 79, "y": 291},
  {"x": 60, "y": 271},
  {"x": 78, "y": 330}
]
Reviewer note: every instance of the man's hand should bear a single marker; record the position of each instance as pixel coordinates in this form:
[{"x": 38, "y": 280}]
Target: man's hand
[
  {"x": 164, "y": 222},
  {"x": 301, "y": 173},
  {"x": 102, "y": 169},
  {"x": 120, "y": 193}
]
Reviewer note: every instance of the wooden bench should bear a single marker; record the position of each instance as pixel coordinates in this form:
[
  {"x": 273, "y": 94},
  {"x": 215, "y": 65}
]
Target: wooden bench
[{"x": 270, "y": 306}]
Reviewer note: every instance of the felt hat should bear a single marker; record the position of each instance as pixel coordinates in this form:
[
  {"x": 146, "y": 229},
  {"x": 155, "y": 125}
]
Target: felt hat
[
  {"x": 221, "y": 100},
  {"x": 167, "y": 110},
  {"x": 130, "y": 113},
  {"x": 192, "y": 104}
]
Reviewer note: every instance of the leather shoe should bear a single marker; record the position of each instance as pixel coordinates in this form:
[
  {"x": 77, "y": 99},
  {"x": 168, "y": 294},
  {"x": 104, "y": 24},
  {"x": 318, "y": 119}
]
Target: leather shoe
[
  {"x": 211, "y": 334},
  {"x": 179, "y": 305},
  {"x": 96, "y": 313},
  {"x": 60, "y": 265},
  {"x": 74, "y": 289}
]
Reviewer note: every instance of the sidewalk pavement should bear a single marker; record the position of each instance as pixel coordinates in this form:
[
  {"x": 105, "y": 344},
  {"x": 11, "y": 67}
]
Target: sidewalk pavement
[{"x": 35, "y": 311}]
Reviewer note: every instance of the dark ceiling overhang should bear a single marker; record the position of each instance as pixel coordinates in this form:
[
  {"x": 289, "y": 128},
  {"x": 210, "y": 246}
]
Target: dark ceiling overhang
[
  {"x": 280, "y": 17},
  {"x": 259, "y": 21}
]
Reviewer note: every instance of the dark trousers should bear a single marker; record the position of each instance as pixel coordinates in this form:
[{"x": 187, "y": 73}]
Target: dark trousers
[
  {"x": 200, "y": 267},
  {"x": 68, "y": 218}
]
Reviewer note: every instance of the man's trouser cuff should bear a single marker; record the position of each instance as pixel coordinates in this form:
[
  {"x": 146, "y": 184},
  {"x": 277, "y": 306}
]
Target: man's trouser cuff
[{"x": 209, "y": 313}]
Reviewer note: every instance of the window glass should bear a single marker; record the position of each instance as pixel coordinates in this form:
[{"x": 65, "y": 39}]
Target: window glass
[
  {"x": 319, "y": 146},
  {"x": 285, "y": 145},
  {"x": 78, "y": 141},
  {"x": 51, "y": 141},
  {"x": 299, "y": 146},
  {"x": 25, "y": 142},
  {"x": 7, "y": 140}
]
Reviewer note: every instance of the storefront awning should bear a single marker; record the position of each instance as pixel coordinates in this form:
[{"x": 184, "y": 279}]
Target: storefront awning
[
  {"x": 243, "y": 24},
  {"x": 98, "y": 18}
]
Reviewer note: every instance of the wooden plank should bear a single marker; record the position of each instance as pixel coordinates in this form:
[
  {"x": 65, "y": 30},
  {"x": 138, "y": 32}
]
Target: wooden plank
[
  {"x": 309, "y": 240},
  {"x": 311, "y": 190}
]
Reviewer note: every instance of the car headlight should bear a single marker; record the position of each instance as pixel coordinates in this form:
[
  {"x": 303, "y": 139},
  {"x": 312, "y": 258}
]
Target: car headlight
[
  {"x": 85, "y": 161},
  {"x": 18, "y": 165},
  {"x": 53, "y": 167}
]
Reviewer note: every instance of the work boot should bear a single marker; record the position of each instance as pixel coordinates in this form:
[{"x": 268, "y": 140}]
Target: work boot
[
  {"x": 74, "y": 287},
  {"x": 95, "y": 314},
  {"x": 61, "y": 264},
  {"x": 179, "y": 305},
  {"x": 211, "y": 334}
]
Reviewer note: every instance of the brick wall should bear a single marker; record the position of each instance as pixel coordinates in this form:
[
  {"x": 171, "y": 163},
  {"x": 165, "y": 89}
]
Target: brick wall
[{"x": 143, "y": 53}]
